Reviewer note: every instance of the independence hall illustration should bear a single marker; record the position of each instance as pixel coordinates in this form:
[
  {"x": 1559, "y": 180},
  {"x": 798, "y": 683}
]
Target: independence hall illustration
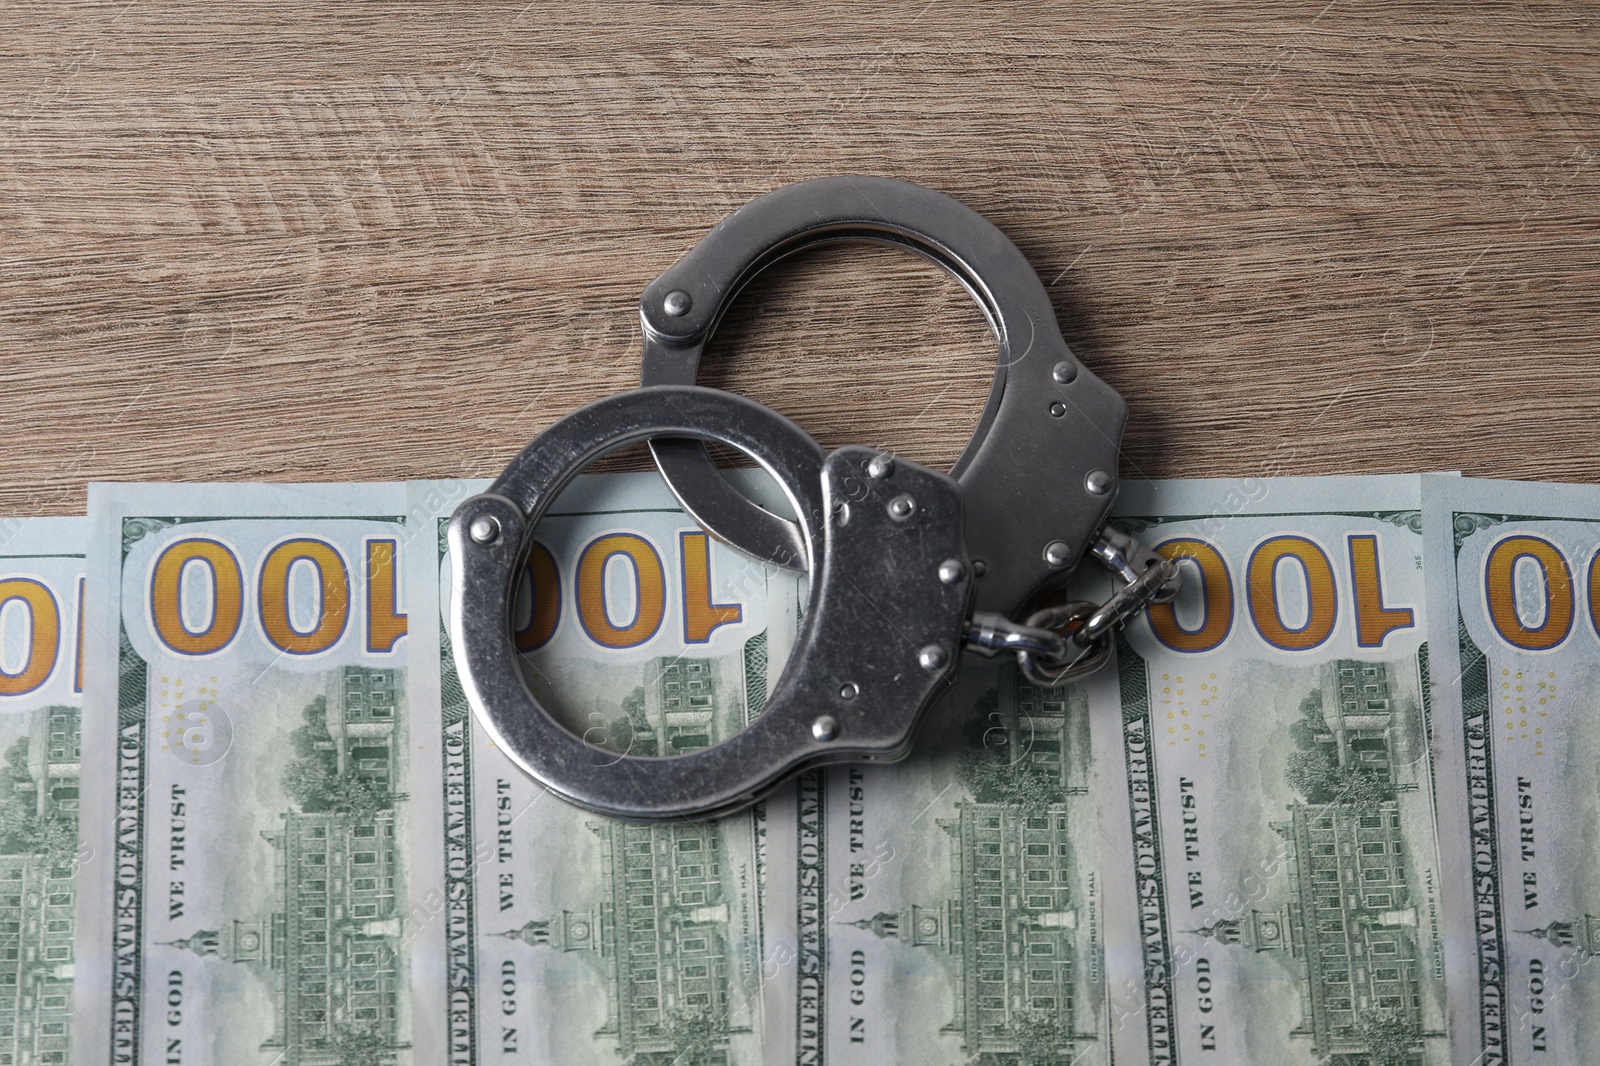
[
  {"x": 1010, "y": 932},
  {"x": 37, "y": 896},
  {"x": 660, "y": 932},
  {"x": 1348, "y": 927},
  {"x": 1035, "y": 720},
  {"x": 660, "y": 936},
  {"x": 1358, "y": 699},
  {"x": 686, "y": 706},
  {"x": 330, "y": 946}
]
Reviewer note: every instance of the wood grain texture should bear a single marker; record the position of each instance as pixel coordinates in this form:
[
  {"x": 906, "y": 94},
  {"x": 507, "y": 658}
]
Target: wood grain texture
[{"x": 370, "y": 241}]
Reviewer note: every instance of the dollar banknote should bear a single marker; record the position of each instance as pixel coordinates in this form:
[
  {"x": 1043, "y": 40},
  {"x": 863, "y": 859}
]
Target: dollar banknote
[
  {"x": 41, "y": 695},
  {"x": 563, "y": 936},
  {"x": 1278, "y": 808},
  {"x": 247, "y": 816},
  {"x": 954, "y": 902},
  {"x": 1514, "y": 599}
]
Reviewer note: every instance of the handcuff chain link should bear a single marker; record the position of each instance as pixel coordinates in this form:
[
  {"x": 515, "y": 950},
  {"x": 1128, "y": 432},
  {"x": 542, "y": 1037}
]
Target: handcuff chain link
[{"x": 1058, "y": 645}]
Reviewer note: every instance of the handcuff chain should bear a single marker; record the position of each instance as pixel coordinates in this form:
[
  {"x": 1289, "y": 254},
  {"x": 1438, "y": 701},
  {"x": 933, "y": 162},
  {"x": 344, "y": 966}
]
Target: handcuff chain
[{"x": 1060, "y": 644}]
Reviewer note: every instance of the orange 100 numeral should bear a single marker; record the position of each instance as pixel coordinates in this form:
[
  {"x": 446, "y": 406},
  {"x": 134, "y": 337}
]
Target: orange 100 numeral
[
  {"x": 1554, "y": 592},
  {"x": 539, "y": 603},
  {"x": 204, "y": 625},
  {"x": 29, "y": 606},
  {"x": 1286, "y": 557}
]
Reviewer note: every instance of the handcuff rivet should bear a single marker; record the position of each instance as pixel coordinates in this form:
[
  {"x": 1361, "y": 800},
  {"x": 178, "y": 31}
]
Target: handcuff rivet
[
  {"x": 825, "y": 728},
  {"x": 1064, "y": 372},
  {"x": 485, "y": 529},
  {"x": 848, "y": 690},
  {"x": 902, "y": 507},
  {"x": 1098, "y": 482},
  {"x": 1056, "y": 553},
  {"x": 677, "y": 303},
  {"x": 881, "y": 466},
  {"x": 933, "y": 657},
  {"x": 1058, "y": 409},
  {"x": 951, "y": 571},
  {"x": 979, "y": 568}
]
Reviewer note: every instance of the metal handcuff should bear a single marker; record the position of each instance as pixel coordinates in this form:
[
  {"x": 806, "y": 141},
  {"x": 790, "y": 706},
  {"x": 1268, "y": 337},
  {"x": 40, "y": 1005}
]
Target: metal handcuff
[{"x": 907, "y": 565}]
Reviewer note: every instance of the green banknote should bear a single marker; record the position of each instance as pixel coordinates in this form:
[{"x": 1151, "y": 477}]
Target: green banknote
[
  {"x": 950, "y": 906},
  {"x": 1514, "y": 599},
  {"x": 1278, "y": 813},
  {"x": 41, "y": 693},
  {"x": 559, "y": 936},
  {"x": 246, "y": 819}
]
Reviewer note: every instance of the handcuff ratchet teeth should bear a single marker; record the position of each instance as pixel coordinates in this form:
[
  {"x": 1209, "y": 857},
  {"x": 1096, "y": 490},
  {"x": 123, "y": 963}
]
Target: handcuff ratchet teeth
[{"x": 908, "y": 566}]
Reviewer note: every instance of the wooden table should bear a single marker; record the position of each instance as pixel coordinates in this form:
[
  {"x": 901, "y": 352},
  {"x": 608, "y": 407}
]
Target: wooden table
[{"x": 297, "y": 241}]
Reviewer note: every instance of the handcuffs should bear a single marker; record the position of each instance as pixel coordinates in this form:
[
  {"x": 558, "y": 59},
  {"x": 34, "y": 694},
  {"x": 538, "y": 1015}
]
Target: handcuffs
[{"x": 908, "y": 566}]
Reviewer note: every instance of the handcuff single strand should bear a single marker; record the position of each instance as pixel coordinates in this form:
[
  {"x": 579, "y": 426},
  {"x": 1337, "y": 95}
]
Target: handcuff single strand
[{"x": 908, "y": 566}]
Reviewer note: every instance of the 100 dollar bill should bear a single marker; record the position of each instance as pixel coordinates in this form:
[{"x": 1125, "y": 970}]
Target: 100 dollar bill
[
  {"x": 566, "y": 936},
  {"x": 247, "y": 815},
  {"x": 1279, "y": 808},
  {"x": 959, "y": 894},
  {"x": 1515, "y": 598}
]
